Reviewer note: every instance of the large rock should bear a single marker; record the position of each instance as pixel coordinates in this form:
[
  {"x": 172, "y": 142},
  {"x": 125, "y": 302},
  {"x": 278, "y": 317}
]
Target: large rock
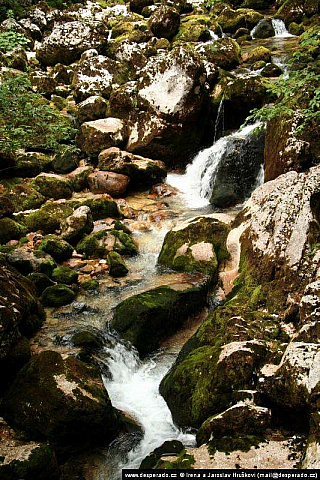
[
  {"x": 58, "y": 248},
  {"x": 27, "y": 261},
  {"x": 69, "y": 40},
  {"x": 95, "y": 136},
  {"x": 264, "y": 29},
  {"x": 108, "y": 182},
  {"x": 141, "y": 171},
  {"x": 93, "y": 108},
  {"x": 197, "y": 245},
  {"x": 53, "y": 186},
  {"x": 164, "y": 22},
  {"x": 11, "y": 230},
  {"x": 20, "y": 316},
  {"x": 224, "y": 52},
  {"x": 194, "y": 28},
  {"x": 147, "y": 318},
  {"x": 61, "y": 400},
  {"x": 231, "y": 20},
  {"x": 295, "y": 10},
  {"x": 80, "y": 223}
]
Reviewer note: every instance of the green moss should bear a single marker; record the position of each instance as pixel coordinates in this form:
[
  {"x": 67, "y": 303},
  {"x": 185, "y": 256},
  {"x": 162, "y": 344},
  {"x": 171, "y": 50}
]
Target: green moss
[
  {"x": 117, "y": 267},
  {"x": 124, "y": 243},
  {"x": 65, "y": 275},
  {"x": 57, "y": 295},
  {"x": 90, "y": 247},
  {"x": 86, "y": 339},
  {"x": 53, "y": 186},
  {"x": 230, "y": 444},
  {"x": 183, "y": 461},
  {"x": 24, "y": 196},
  {"x": 194, "y": 29},
  {"x": 48, "y": 218},
  {"x": 40, "y": 280},
  {"x": 258, "y": 54},
  {"x": 10, "y": 230},
  {"x": 90, "y": 285},
  {"x": 100, "y": 207},
  {"x": 58, "y": 248}
]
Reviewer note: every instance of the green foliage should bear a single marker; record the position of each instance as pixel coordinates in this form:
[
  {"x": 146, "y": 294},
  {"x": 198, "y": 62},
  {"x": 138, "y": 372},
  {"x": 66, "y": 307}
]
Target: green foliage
[
  {"x": 26, "y": 118},
  {"x": 12, "y": 39},
  {"x": 10, "y": 9},
  {"x": 300, "y": 93}
]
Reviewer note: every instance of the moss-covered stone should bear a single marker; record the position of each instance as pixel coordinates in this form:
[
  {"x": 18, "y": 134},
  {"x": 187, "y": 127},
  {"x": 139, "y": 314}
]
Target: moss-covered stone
[
  {"x": 77, "y": 225},
  {"x": 57, "y": 295},
  {"x": 173, "y": 447},
  {"x": 22, "y": 194},
  {"x": 183, "y": 461},
  {"x": 296, "y": 10},
  {"x": 6, "y": 207},
  {"x": 199, "y": 245},
  {"x": 123, "y": 243},
  {"x": 87, "y": 339},
  {"x": 53, "y": 186},
  {"x": 101, "y": 207},
  {"x": 90, "y": 285},
  {"x": 40, "y": 280},
  {"x": 194, "y": 29},
  {"x": 48, "y": 218},
  {"x": 147, "y": 318},
  {"x": 91, "y": 247},
  {"x": 225, "y": 53},
  {"x": 61, "y": 400},
  {"x": 259, "y": 53},
  {"x": 231, "y": 20},
  {"x": 55, "y": 246},
  {"x": 10, "y": 230},
  {"x": 26, "y": 261},
  {"x": 164, "y": 22},
  {"x": 117, "y": 267},
  {"x": 66, "y": 159},
  {"x": 65, "y": 275}
]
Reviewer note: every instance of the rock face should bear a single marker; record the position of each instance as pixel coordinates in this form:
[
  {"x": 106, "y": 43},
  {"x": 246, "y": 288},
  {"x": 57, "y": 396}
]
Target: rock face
[
  {"x": 147, "y": 318},
  {"x": 114, "y": 184},
  {"x": 164, "y": 22},
  {"x": 63, "y": 401},
  {"x": 69, "y": 40},
  {"x": 98, "y": 135},
  {"x": 20, "y": 316},
  {"x": 141, "y": 171},
  {"x": 224, "y": 52},
  {"x": 198, "y": 245}
]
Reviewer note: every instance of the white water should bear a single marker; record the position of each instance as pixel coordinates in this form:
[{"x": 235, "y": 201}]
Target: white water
[
  {"x": 134, "y": 388},
  {"x": 196, "y": 184},
  {"x": 280, "y": 28}
]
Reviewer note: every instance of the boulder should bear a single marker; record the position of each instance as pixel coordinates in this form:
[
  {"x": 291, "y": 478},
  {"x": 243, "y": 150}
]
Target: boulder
[
  {"x": 53, "y": 186},
  {"x": 69, "y": 40},
  {"x": 259, "y": 53},
  {"x": 295, "y": 10},
  {"x": 147, "y": 318},
  {"x": 80, "y": 223},
  {"x": 114, "y": 184},
  {"x": 170, "y": 447},
  {"x": 231, "y": 20},
  {"x": 79, "y": 178},
  {"x": 195, "y": 28},
  {"x": 271, "y": 70},
  {"x": 225, "y": 53},
  {"x": 164, "y": 22},
  {"x": 98, "y": 135},
  {"x": 20, "y": 316},
  {"x": 93, "y": 108},
  {"x": 25, "y": 459},
  {"x": 117, "y": 267},
  {"x": 64, "y": 275},
  {"x": 10, "y": 230},
  {"x": 227, "y": 431},
  {"x": 42, "y": 82},
  {"x": 6, "y": 207},
  {"x": 66, "y": 160},
  {"x": 62, "y": 400},
  {"x": 101, "y": 206},
  {"x": 197, "y": 245},
  {"x": 141, "y": 171},
  {"x": 23, "y": 195},
  {"x": 236, "y": 175},
  {"x": 48, "y": 218},
  {"x": 57, "y": 296},
  {"x": 97, "y": 244},
  {"x": 55, "y": 246},
  {"x": 26, "y": 261},
  {"x": 264, "y": 29},
  {"x": 40, "y": 280},
  {"x": 138, "y": 5}
]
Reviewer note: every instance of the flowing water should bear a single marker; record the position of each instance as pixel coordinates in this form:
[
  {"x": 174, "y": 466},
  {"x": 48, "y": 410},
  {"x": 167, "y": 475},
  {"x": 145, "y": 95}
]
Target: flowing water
[{"x": 280, "y": 29}]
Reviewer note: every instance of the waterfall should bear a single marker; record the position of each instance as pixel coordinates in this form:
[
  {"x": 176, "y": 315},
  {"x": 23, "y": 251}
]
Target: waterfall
[
  {"x": 280, "y": 28},
  {"x": 213, "y": 35},
  {"x": 134, "y": 388},
  {"x": 281, "y": 62},
  {"x": 197, "y": 183},
  {"x": 219, "y": 120}
]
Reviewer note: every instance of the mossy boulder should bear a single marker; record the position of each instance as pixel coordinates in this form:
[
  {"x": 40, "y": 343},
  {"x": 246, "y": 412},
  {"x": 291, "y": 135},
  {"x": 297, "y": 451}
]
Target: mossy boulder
[
  {"x": 93, "y": 108},
  {"x": 264, "y": 29},
  {"x": 79, "y": 178},
  {"x": 195, "y": 28},
  {"x": 25, "y": 459},
  {"x": 65, "y": 275},
  {"x": 91, "y": 247},
  {"x": 101, "y": 206},
  {"x": 57, "y": 296},
  {"x": 117, "y": 267},
  {"x": 259, "y": 53},
  {"x": 141, "y": 171},
  {"x": 6, "y": 207},
  {"x": 137, "y": 6},
  {"x": 198, "y": 245},
  {"x": 53, "y": 186},
  {"x": 296, "y": 10},
  {"x": 66, "y": 159},
  {"x": 225, "y": 53},
  {"x": 87, "y": 339},
  {"x": 123, "y": 243},
  {"x": 48, "y": 218},
  {"x": 164, "y": 22},
  {"x": 22, "y": 194},
  {"x": 90, "y": 285},
  {"x": 231, "y": 20},
  {"x": 173, "y": 447},
  {"x": 97, "y": 244},
  {"x": 11, "y": 230},
  {"x": 147, "y": 318},
  {"x": 25, "y": 260},
  {"x": 40, "y": 280},
  {"x": 77, "y": 225},
  {"x": 61, "y": 400},
  {"x": 55, "y": 246}
]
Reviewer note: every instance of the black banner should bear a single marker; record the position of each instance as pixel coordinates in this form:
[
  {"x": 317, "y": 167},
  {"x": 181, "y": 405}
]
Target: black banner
[{"x": 220, "y": 474}]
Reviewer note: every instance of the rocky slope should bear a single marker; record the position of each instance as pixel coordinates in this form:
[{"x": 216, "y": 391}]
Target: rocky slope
[{"x": 98, "y": 100}]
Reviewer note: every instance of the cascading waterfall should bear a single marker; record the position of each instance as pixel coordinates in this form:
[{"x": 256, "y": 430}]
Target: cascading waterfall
[
  {"x": 134, "y": 388},
  {"x": 196, "y": 184},
  {"x": 280, "y": 28}
]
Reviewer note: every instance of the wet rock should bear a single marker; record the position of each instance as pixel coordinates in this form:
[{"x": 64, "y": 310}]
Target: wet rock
[
  {"x": 27, "y": 261},
  {"x": 23, "y": 195},
  {"x": 264, "y": 29},
  {"x": 172, "y": 447},
  {"x": 62, "y": 400},
  {"x": 140, "y": 170},
  {"x": 225, "y": 53},
  {"x": 117, "y": 267},
  {"x": 197, "y": 245},
  {"x": 55, "y": 246},
  {"x": 114, "y": 184},
  {"x": 164, "y": 22},
  {"x": 69, "y": 40},
  {"x": 102, "y": 206},
  {"x": 57, "y": 296},
  {"x": 53, "y": 186},
  {"x": 93, "y": 108},
  {"x": 95, "y": 136},
  {"x": 65, "y": 275},
  {"x": 230, "y": 429},
  {"x": 25, "y": 459},
  {"x": 40, "y": 280},
  {"x": 271, "y": 70},
  {"x": 80, "y": 223},
  {"x": 147, "y": 318},
  {"x": 48, "y": 218},
  {"x": 90, "y": 285},
  {"x": 20, "y": 316},
  {"x": 10, "y": 230}
]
